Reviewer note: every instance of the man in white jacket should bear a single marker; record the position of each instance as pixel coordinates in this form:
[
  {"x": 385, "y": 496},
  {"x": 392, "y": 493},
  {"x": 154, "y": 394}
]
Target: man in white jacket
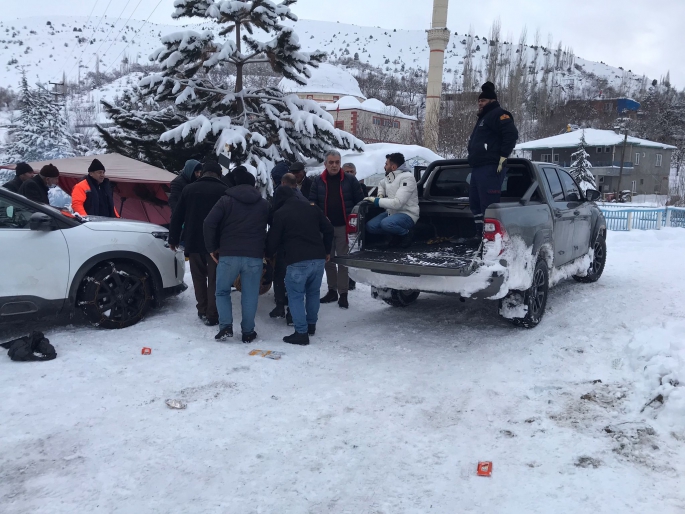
[{"x": 397, "y": 193}]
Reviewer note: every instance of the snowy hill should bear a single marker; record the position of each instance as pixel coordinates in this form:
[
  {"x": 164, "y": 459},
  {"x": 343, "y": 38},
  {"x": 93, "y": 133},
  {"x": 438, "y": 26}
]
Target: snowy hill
[{"x": 46, "y": 51}]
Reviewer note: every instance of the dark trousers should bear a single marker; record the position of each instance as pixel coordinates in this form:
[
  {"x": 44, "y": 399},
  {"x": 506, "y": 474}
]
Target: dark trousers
[
  {"x": 279, "y": 279},
  {"x": 486, "y": 189},
  {"x": 203, "y": 271}
]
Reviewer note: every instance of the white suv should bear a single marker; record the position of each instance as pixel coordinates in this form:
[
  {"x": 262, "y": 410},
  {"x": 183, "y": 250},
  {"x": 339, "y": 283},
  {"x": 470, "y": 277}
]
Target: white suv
[{"x": 51, "y": 264}]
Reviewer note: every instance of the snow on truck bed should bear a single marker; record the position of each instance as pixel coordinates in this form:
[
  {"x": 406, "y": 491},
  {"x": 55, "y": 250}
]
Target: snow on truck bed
[{"x": 388, "y": 411}]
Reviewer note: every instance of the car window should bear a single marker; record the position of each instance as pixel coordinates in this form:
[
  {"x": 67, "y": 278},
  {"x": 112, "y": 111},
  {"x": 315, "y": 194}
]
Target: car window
[
  {"x": 571, "y": 189},
  {"x": 554, "y": 184},
  {"x": 13, "y": 214},
  {"x": 451, "y": 182}
]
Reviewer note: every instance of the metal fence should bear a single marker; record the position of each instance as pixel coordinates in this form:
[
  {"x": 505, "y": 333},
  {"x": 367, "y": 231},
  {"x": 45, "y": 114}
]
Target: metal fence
[{"x": 643, "y": 219}]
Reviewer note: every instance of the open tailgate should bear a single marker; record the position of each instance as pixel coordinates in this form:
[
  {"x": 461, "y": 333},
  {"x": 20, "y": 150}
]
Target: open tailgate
[{"x": 459, "y": 260}]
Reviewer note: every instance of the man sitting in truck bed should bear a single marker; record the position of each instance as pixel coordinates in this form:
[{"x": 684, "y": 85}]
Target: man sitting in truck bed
[{"x": 397, "y": 193}]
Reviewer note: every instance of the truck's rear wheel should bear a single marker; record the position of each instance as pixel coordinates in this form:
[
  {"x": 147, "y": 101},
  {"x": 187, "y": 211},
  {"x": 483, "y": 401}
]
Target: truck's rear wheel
[
  {"x": 599, "y": 260},
  {"x": 395, "y": 297},
  {"x": 115, "y": 295},
  {"x": 526, "y": 308}
]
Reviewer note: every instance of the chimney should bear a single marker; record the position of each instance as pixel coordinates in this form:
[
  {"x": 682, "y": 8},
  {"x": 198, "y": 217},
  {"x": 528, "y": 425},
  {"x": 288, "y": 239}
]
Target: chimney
[{"x": 438, "y": 38}]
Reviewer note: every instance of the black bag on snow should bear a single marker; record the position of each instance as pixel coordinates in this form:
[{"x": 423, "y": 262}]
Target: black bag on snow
[{"x": 25, "y": 348}]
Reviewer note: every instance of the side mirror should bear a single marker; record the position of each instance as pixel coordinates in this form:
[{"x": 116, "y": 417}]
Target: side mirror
[
  {"x": 592, "y": 195},
  {"x": 40, "y": 221}
]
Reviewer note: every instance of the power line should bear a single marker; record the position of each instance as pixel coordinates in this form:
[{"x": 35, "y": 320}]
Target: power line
[
  {"x": 104, "y": 40},
  {"x": 77, "y": 63},
  {"x": 122, "y": 29},
  {"x": 137, "y": 32},
  {"x": 76, "y": 45}
]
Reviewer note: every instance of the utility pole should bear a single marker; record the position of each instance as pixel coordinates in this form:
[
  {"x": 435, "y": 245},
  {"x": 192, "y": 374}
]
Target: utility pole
[{"x": 438, "y": 38}]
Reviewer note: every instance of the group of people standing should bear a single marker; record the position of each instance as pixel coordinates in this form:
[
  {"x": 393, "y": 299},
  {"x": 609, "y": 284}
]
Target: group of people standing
[
  {"x": 92, "y": 196},
  {"x": 229, "y": 231},
  {"x": 224, "y": 225}
]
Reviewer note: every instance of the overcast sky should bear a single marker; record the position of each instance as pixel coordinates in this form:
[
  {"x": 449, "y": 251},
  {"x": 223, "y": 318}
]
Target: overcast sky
[{"x": 645, "y": 36}]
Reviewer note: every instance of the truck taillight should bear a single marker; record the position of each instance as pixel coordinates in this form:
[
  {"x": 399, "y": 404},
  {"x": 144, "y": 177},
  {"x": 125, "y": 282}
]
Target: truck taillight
[
  {"x": 491, "y": 228},
  {"x": 352, "y": 223}
]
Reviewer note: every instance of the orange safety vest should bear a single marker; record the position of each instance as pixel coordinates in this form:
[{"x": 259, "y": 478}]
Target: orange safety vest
[{"x": 79, "y": 195}]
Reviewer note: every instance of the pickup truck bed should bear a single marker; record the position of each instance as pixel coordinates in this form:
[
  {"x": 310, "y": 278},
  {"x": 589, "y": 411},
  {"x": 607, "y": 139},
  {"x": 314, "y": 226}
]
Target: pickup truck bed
[
  {"x": 442, "y": 259},
  {"x": 542, "y": 223}
]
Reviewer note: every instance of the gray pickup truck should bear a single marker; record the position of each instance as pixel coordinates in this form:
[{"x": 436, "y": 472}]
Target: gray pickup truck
[{"x": 543, "y": 230}]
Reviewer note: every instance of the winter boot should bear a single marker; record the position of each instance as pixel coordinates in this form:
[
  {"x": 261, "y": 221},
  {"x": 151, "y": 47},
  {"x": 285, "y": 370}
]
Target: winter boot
[
  {"x": 311, "y": 329},
  {"x": 330, "y": 297},
  {"x": 352, "y": 285},
  {"x": 407, "y": 239},
  {"x": 383, "y": 243},
  {"x": 210, "y": 322},
  {"x": 297, "y": 338},
  {"x": 248, "y": 337},
  {"x": 278, "y": 312},
  {"x": 224, "y": 333},
  {"x": 342, "y": 303},
  {"x": 289, "y": 318}
]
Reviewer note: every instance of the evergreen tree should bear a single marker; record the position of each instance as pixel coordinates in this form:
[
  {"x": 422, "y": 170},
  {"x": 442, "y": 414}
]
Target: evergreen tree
[
  {"x": 581, "y": 166},
  {"x": 41, "y": 132},
  {"x": 137, "y": 131},
  {"x": 253, "y": 126}
]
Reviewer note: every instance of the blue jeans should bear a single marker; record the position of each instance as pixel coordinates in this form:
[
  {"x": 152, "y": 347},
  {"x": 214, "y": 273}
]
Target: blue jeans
[
  {"x": 250, "y": 271},
  {"x": 303, "y": 280},
  {"x": 397, "y": 224}
]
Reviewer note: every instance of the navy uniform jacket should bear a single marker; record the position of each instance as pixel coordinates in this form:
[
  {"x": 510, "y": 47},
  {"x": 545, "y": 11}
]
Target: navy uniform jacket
[{"x": 495, "y": 136}]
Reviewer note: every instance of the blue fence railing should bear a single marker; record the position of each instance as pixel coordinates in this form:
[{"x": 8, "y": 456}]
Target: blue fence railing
[{"x": 643, "y": 218}]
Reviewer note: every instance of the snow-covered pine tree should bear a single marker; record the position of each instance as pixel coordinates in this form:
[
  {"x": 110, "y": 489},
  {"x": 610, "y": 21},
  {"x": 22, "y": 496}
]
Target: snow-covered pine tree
[
  {"x": 41, "y": 132},
  {"x": 138, "y": 128},
  {"x": 581, "y": 166},
  {"x": 255, "y": 127}
]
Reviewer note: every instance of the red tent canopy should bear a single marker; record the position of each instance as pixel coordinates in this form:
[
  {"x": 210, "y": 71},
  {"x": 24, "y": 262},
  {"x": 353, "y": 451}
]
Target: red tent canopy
[{"x": 141, "y": 191}]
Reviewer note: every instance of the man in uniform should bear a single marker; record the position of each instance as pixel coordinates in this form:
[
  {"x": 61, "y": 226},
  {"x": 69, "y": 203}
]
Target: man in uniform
[{"x": 491, "y": 143}]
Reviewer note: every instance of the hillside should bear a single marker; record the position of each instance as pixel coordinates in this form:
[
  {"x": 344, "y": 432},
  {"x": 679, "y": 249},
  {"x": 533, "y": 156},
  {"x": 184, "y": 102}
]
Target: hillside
[{"x": 47, "y": 47}]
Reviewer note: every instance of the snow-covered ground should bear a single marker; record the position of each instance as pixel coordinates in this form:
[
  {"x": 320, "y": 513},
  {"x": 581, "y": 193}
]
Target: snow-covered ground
[{"x": 388, "y": 411}]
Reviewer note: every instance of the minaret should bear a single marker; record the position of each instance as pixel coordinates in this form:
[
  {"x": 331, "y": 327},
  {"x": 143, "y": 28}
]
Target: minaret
[{"x": 438, "y": 37}]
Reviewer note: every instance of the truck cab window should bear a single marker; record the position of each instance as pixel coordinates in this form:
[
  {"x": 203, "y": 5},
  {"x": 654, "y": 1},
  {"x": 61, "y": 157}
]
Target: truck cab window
[
  {"x": 571, "y": 189},
  {"x": 452, "y": 183},
  {"x": 554, "y": 184}
]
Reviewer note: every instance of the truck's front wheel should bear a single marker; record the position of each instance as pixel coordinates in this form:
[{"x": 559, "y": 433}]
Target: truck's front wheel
[
  {"x": 395, "y": 297},
  {"x": 526, "y": 308}
]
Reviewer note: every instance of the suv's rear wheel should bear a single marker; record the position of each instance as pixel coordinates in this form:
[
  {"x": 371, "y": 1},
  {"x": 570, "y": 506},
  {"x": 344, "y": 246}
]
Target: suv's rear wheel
[
  {"x": 526, "y": 308},
  {"x": 599, "y": 260},
  {"x": 115, "y": 295}
]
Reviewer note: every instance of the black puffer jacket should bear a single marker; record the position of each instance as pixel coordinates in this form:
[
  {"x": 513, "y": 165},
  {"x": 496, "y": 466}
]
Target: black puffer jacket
[
  {"x": 187, "y": 176},
  {"x": 495, "y": 136},
  {"x": 306, "y": 187},
  {"x": 13, "y": 185},
  {"x": 35, "y": 189},
  {"x": 298, "y": 228},
  {"x": 350, "y": 190},
  {"x": 236, "y": 225},
  {"x": 196, "y": 202}
]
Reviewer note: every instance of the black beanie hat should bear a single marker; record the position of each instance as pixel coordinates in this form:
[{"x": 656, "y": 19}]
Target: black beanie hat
[
  {"x": 22, "y": 168},
  {"x": 488, "y": 91},
  {"x": 212, "y": 166},
  {"x": 49, "y": 171},
  {"x": 242, "y": 176},
  {"x": 95, "y": 166},
  {"x": 296, "y": 167}
]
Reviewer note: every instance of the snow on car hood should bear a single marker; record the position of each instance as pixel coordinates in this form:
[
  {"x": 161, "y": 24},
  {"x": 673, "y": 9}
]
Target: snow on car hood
[{"x": 121, "y": 225}]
